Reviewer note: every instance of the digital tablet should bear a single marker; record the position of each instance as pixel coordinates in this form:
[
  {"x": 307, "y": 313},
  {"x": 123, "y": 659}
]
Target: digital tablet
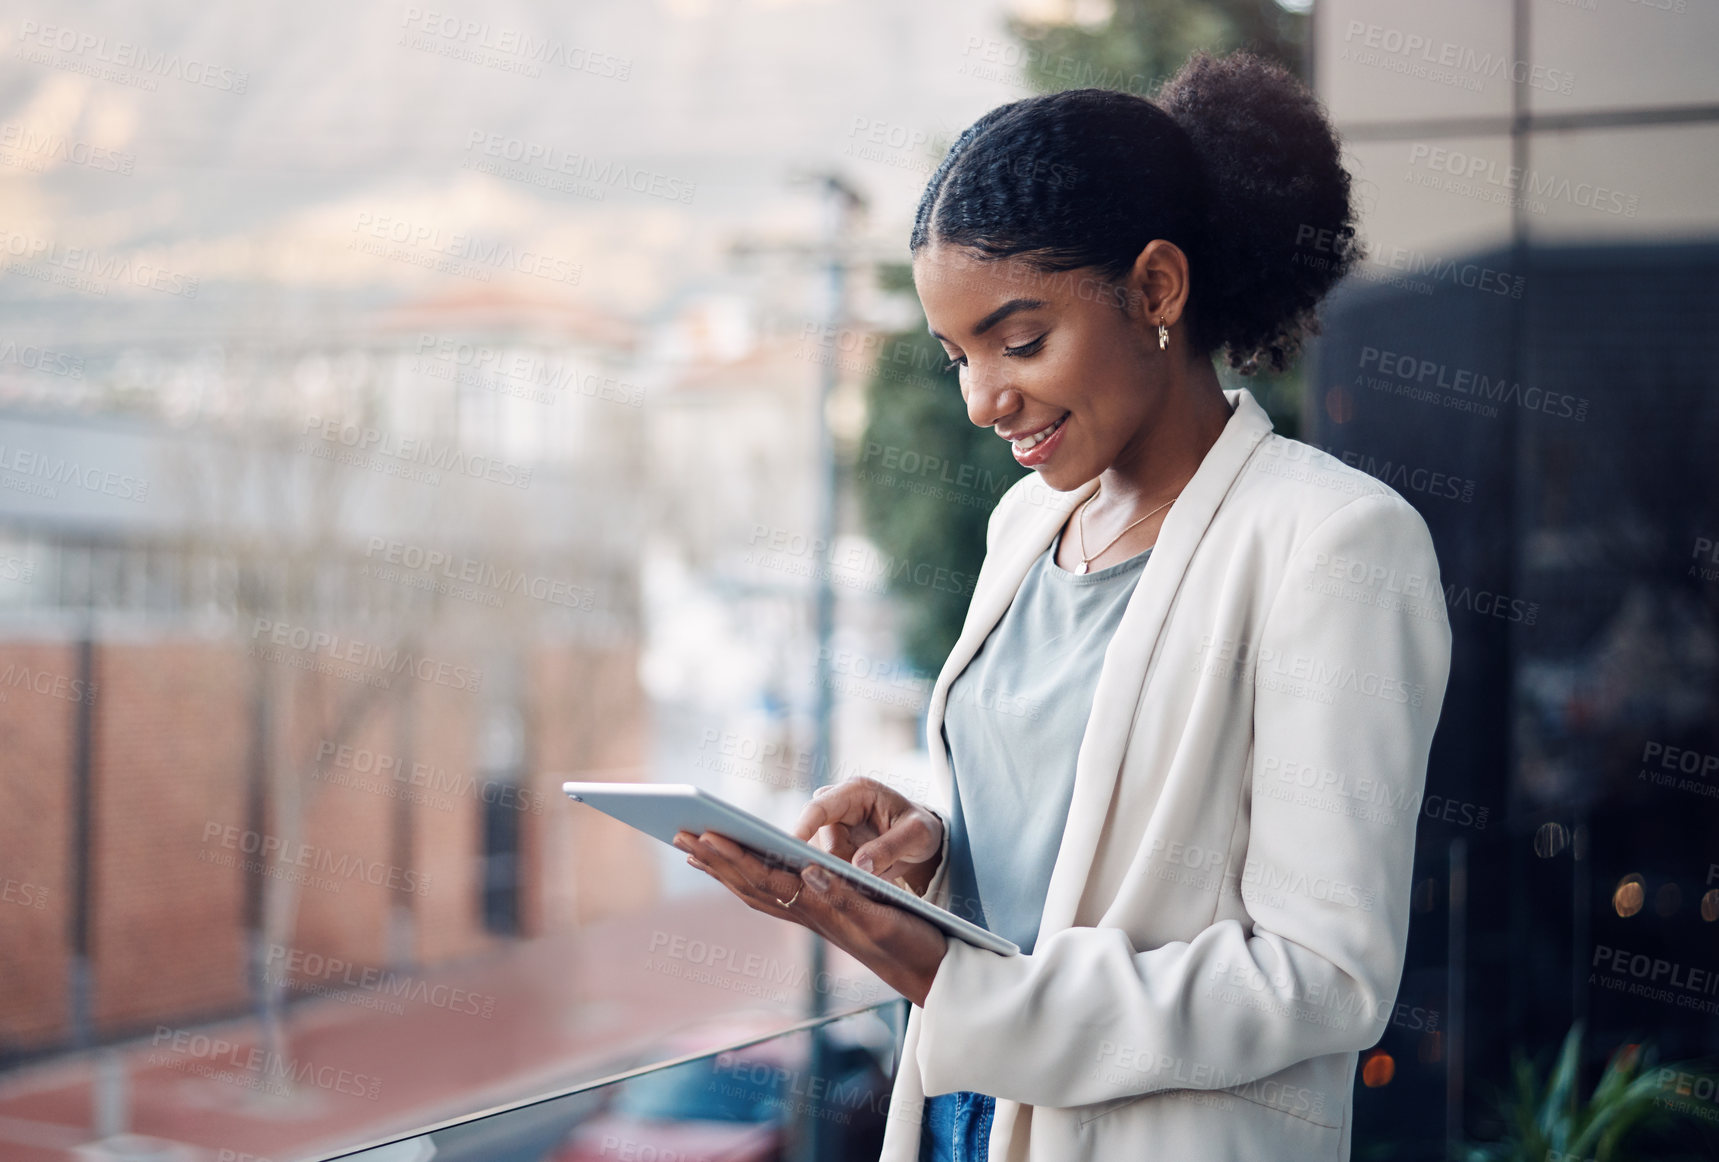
[{"x": 663, "y": 809}]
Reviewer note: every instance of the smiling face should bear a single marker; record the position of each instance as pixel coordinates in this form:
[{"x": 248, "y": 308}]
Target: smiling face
[{"x": 1064, "y": 365}]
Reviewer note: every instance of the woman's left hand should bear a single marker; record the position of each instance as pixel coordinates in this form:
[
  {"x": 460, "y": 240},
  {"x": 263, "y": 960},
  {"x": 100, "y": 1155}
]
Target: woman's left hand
[{"x": 903, "y": 950}]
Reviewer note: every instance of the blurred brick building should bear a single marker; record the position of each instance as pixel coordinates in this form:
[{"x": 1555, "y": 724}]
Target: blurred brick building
[{"x": 290, "y": 678}]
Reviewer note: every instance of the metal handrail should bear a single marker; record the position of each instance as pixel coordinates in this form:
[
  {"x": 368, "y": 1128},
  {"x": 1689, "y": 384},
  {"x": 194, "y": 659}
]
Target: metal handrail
[{"x": 610, "y": 1079}]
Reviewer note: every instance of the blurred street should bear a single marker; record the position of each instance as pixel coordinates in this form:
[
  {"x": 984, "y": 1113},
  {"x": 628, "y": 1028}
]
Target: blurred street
[{"x": 633, "y": 986}]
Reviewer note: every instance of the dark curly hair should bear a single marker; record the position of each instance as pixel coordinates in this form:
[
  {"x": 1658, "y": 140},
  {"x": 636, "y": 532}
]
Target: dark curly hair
[{"x": 1233, "y": 161}]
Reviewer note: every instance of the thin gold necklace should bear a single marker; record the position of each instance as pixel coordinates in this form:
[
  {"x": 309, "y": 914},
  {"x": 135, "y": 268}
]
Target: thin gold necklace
[{"x": 1080, "y": 528}]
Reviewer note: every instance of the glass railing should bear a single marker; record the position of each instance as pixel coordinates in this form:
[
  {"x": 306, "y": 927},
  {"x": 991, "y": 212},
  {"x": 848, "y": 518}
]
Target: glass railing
[{"x": 818, "y": 1089}]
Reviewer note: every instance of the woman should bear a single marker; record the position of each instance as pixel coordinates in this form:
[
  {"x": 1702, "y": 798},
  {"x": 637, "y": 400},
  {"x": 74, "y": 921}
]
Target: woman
[{"x": 1179, "y": 746}]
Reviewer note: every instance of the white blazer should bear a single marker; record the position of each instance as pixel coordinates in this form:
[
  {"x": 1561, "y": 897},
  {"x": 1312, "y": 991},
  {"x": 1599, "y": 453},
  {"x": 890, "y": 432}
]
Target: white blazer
[{"x": 1229, "y": 907}]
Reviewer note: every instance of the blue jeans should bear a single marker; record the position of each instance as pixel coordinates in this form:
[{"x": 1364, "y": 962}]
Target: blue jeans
[{"x": 956, "y": 1127}]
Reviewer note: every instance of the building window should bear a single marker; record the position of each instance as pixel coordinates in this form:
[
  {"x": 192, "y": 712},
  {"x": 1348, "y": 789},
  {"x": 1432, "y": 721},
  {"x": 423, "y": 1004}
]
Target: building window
[{"x": 502, "y": 762}]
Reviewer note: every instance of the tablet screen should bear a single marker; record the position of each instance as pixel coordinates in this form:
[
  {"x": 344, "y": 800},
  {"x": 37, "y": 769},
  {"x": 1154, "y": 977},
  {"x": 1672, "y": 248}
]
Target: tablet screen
[{"x": 662, "y": 810}]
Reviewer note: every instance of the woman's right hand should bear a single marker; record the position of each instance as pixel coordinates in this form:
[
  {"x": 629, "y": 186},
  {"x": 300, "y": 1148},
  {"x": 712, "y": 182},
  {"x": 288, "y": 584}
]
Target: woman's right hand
[{"x": 875, "y": 828}]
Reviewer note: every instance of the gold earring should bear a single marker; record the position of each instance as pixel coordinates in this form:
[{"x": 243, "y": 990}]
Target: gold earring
[{"x": 1163, "y": 335}]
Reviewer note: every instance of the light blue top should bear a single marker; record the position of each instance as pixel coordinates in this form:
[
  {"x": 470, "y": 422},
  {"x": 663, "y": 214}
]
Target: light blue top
[{"x": 1015, "y": 719}]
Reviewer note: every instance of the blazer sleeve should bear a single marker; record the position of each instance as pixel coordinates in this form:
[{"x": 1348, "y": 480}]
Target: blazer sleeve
[
  {"x": 934, "y": 888},
  {"x": 1088, "y": 1018}
]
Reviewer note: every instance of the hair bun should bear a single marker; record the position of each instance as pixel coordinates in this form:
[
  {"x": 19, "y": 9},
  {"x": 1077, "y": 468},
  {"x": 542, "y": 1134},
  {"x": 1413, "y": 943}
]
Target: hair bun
[{"x": 1281, "y": 226}]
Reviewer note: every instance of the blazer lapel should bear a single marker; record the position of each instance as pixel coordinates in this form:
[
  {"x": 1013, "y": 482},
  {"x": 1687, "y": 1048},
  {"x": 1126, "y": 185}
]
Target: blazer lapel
[
  {"x": 1123, "y": 675},
  {"x": 999, "y": 580},
  {"x": 1126, "y": 658}
]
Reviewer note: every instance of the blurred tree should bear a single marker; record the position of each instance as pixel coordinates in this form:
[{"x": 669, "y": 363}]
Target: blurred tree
[
  {"x": 1139, "y": 44},
  {"x": 926, "y": 479}
]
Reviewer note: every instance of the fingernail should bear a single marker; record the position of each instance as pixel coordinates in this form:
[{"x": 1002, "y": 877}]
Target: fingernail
[
  {"x": 818, "y": 878},
  {"x": 863, "y": 861}
]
